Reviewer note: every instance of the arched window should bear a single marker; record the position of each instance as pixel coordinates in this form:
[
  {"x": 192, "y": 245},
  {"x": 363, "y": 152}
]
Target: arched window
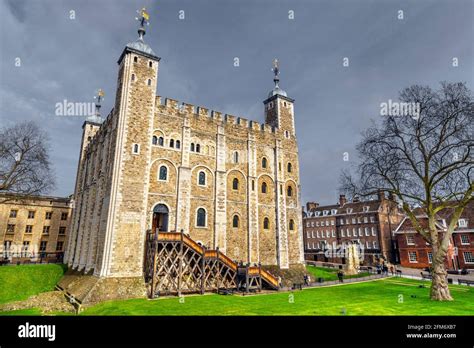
[
  {"x": 289, "y": 191},
  {"x": 154, "y": 140},
  {"x": 202, "y": 178},
  {"x": 198, "y": 148},
  {"x": 163, "y": 174},
  {"x": 264, "y": 162},
  {"x": 136, "y": 148},
  {"x": 264, "y": 187},
  {"x": 192, "y": 147},
  {"x": 235, "y": 184},
  {"x": 266, "y": 223},
  {"x": 236, "y": 157},
  {"x": 178, "y": 144},
  {"x": 161, "y": 141},
  {"x": 292, "y": 225},
  {"x": 289, "y": 167},
  {"x": 171, "y": 142},
  {"x": 235, "y": 221},
  {"x": 201, "y": 217}
]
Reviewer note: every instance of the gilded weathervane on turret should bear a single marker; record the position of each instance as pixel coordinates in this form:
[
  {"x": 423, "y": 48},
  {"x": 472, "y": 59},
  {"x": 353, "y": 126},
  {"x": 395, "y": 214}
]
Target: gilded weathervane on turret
[
  {"x": 144, "y": 19},
  {"x": 98, "y": 103}
]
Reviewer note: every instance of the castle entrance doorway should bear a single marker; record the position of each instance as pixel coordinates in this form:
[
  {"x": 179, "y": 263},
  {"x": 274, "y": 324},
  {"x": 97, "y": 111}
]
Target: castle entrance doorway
[{"x": 160, "y": 218}]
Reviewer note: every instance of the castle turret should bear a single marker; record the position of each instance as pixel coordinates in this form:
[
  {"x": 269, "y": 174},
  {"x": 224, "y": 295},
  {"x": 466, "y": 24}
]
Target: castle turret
[
  {"x": 279, "y": 107},
  {"x": 134, "y": 113}
]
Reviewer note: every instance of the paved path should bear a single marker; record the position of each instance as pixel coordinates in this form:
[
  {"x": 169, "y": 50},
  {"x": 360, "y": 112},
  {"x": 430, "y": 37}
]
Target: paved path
[{"x": 414, "y": 273}]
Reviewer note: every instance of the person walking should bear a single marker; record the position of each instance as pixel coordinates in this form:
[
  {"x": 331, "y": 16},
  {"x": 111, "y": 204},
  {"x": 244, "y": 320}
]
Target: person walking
[{"x": 340, "y": 275}]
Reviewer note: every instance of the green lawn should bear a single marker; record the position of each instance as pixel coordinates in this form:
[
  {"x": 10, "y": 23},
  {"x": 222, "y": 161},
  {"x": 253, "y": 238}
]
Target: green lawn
[
  {"x": 393, "y": 296},
  {"x": 329, "y": 273},
  {"x": 388, "y": 296},
  {"x": 20, "y": 282}
]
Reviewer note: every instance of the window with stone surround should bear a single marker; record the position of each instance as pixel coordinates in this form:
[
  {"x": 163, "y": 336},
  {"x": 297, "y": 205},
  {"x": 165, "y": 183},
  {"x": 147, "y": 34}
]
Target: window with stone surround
[
  {"x": 136, "y": 149},
  {"x": 264, "y": 162},
  {"x": 46, "y": 229},
  {"x": 171, "y": 142},
  {"x": 235, "y": 221},
  {"x": 48, "y": 215},
  {"x": 31, "y": 214},
  {"x": 43, "y": 245},
  {"x": 235, "y": 184},
  {"x": 266, "y": 223},
  {"x": 178, "y": 144},
  {"x": 10, "y": 228},
  {"x": 64, "y": 216},
  {"x": 264, "y": 187},
  {"x": 462, "y": 223},
  {"x": 292, "y": 225},
  {"x": 163, "y": 173},
  {"x": 13, "y": 213},
  {"x": 201, "y": 217},
  {"x": 289, "y": 167},
  {"x": 202, "y": 179},
  {"x": 59, "y": 246},
  {"x": 464, "y": 239},
  {"x": 236, "y": 157},
  {"x": 29, "y": 229},
  {"x": 62, "y": 230},
  {"x": 198, "y": 148},
  {"x": 289, "y": 191}
]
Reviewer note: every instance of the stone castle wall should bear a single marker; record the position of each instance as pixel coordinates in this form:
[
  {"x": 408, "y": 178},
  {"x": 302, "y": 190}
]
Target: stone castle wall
[{"x": 117, "y": 187}]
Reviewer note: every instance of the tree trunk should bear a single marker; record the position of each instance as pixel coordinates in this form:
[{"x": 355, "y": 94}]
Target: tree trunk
[{"x": 439, "y": 284}]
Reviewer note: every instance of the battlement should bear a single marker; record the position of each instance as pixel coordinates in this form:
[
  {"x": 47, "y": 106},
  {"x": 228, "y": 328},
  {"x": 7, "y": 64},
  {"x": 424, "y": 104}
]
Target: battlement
[{"x": 199, "y": 111}]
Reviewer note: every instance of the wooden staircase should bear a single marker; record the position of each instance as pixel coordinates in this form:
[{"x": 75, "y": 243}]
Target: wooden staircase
[{"x": 176, "y": 264}]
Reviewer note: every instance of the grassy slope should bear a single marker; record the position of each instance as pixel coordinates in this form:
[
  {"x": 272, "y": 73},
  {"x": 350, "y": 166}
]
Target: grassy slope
[
  {"x": 20, "y": 282},
  {"x": 379, "y": 297},
  {"x": 329, "y": 273}
]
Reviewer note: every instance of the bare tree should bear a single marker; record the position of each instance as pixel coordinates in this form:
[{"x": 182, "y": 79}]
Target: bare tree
[
  {"x": 426, "y": 161},
  {"x": 24, "y": 163}
]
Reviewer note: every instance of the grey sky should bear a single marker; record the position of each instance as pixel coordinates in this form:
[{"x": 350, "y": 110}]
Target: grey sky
[{"x": 70, "y": 59}]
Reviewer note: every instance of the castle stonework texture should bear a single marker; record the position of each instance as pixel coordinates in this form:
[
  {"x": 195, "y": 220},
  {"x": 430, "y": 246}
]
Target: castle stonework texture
[{"x": 154, "y": 163}]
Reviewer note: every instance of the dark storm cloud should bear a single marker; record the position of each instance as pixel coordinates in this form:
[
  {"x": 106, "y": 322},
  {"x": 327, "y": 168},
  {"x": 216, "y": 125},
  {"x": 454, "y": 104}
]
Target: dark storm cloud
[{"x": 70, "y": 59}]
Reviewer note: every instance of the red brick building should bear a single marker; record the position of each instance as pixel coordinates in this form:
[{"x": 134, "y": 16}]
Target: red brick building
[
  {"x": 413, "y": 251},
  {"x": 369, "y": 224}
]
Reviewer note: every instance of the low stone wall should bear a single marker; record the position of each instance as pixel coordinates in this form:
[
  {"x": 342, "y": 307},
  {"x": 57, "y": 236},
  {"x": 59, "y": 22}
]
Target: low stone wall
[{"x": 294, "y": 274}]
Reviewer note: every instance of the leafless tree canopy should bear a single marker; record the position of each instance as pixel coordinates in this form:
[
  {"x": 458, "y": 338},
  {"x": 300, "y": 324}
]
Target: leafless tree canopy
[
  {"x": 426, "y": 160},
  {"x": 423, "y": 160},
  {"x": 24, "y": 163}
]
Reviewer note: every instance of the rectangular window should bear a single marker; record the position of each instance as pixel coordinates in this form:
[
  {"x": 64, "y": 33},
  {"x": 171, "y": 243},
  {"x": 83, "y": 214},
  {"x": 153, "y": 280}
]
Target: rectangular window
[
  {"x": 430, "y": 257},
  {"x": 43, "y": 245},
  {"x": 354, "y": 232},
  {"x": 342, "y": 222},
  {"x": 312, "y": 234},
  {"x": 366, "y": 219},
  {"x": 374, "y": 244},
  {"x": 367, "y": 245},
  {"x": 317, "y": 223},
  {"x": 49, "y": 215},
  {"x": 347, "y": 222},
  {"x": 31, "y": 214},
  {"x": 412, "y": 257},
  {"x": 29, "y": 229},
  {"x": 59, "y": 246},
  {"x": 64, "y": 216},
  {"x": 62, "y": 230},
  {"x": 410, "y": 240},
  {"x": 464, "y": 239},
  {"x": 373, "y": 231},
  {"x": 342, "y": 232},
  {"x": 13, "y": 213},
  {"x": 366, "y": 208},
  {"x": 308, "y": 235},
  {"x": 317, "y": 234},
  {"x": 46, "y": 229},
  {"x": 461, "y": 222},
  {"x": 327, "y": 223},
  {"x": 349, "y": 210},
  {"x": 312, "y": 223},
  {"x": 359, "y": 220},
  {"x": 348, "y": 232},
  {"x": 353, "y": 221},
  {"x": 468, "y": 257},
  {"x": 360, "y": 232},
  {"x": 333, "y": 233},
  {"x": 332, "y": 222},
  {"x": 327, "y": 234},
  {"x": 372, "y": 219},
  {"x": 10, "y": 228},
  {"x": 366, "y": 231},
  {"x": 309, "y": 246}
]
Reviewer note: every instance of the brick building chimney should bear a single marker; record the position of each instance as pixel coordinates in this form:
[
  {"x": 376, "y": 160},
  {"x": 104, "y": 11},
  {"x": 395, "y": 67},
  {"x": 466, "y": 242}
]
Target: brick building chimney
[{"x": 342, "y": 200}]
